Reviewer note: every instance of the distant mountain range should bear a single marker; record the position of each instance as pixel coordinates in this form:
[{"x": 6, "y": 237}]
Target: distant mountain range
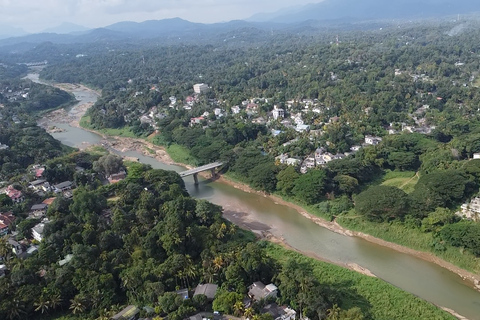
[
  {"x": 308, "y": 18},
  {"x": 6, "y": 32},
  {"x": 370, "y": 10},
  {"x": 66, "y": 28}
]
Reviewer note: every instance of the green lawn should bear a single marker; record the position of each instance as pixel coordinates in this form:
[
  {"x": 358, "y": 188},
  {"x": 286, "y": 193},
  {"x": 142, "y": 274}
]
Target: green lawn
[
  {"x": 377, "y": 298},
  {"x": 405, "y": 180}
]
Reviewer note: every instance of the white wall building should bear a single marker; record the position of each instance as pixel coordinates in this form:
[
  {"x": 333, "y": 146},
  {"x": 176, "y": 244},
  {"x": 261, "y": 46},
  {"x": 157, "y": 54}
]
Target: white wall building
[
  {"x": 278, "y": 113},
  {"x": 200, "y": 88}
]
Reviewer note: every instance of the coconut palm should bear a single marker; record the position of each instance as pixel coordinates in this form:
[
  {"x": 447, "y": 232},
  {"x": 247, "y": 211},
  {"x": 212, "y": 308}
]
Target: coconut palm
[
  {"x": 55, "y": 301},
  {"x": 238, "y": 308},
  {"x": 218, "y": 263},
  {"x": 15, "y": 309},
  {"x": 42, "y": 304},
  {"x": 334, "y": 312},
  {"x": 78, "y": 305},
  {"x": 249, "y": 312}
]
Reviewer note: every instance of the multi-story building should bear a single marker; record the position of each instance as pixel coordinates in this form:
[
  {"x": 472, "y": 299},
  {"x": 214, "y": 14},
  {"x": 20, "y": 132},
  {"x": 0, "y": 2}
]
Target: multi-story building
[{"x": 200, "y": 88}]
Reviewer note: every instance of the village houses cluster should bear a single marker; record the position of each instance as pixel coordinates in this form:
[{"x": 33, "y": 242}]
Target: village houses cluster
[
  {"x": 257, "y": 292},
  {"x": 41, "y": 188}
]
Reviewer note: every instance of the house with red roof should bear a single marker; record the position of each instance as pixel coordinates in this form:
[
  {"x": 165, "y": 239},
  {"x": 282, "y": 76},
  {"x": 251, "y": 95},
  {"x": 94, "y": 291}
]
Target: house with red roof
[{"x": 14, "y": 194}]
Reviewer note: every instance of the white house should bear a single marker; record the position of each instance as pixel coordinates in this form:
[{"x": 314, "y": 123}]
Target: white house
[
  {"x": 200, "y": 88},
  {"x": 278, "y": 113},
  {"x": 470, "y": 211},
  {"x": 37, "y": 231},
  {"x": 476, "y": 156},
  {"x": 236, "y": 109},
  {"x": 372, "y": 140}
]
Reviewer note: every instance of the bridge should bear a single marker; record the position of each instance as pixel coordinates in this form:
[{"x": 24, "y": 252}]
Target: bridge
[{"x": 196, "y": 171}]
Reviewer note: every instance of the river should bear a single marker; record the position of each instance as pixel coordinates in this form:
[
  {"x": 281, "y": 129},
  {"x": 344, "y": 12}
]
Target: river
[{"x": 422, "y": 278}]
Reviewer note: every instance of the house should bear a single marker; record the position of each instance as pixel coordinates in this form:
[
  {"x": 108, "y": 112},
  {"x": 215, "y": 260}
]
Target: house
[
  {"x": 236, "y": 110},
  {"x": 197, "y": 120},
  {"x": 3, "y": 229},
  {"x": 470, "y": 211},
  {"x": 200, "y": 88},
  {"x": 17, "y": 248},
  {"x": 355, "y": 148},
  {"x": 476, "y": 156},
  {"x": 37, "y": 231},
  {"x": 37, "y": 184},
  {"x": 278, "y": 113},
  {"x": 39, "y": 172},
  {"x": 208, "y": 289},
  {"x": 38, "y": 210},
  {"x": 372, "y": 140},
  {"x": 302, "y": 127},
  {"x": 8, "y": 219},
  {"x": 129, "y": 313},
  {"x": 3, "y": 270},
  {"x": 279, "y": 312},
  {"x": 282, "y": 158},
  {"x": 14, "y": 194},
  {"x": 116, "y": 177},
  {"x": 292, "y": 162},
  {"x": 275, "y": 132},
  {"x": 64, "y": 186},
  {"x": 183, "y": 293},
  {"x": 67, "y": 259},
  {"x": 258, "y": 291},
  {"x": 259, "y": 120},
  {"x": 49, "y": 201}
]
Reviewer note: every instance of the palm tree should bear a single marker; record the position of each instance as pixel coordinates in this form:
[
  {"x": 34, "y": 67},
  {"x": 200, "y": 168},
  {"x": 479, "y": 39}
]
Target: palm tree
[
  {"x": 256, "y": 317},
  {"x": 15, "y": 309},
  {"x": 238, "y": 308},
  {"x": 218, "y": 263},
  {"x": 42, "y": 304},
  {"x": 249, "y": 312},
  {"x": 77, "y": 304},
  {"x": 55, "y": 301},
  {"x": 334, "y": 312},
  {"x": 190, "y": 271}
]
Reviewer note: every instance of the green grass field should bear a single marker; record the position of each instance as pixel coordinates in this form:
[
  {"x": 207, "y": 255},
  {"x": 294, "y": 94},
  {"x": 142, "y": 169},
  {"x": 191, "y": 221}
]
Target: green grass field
[
  {"x": 405, "y": 180},
  {"x": 180, "y": 154}
]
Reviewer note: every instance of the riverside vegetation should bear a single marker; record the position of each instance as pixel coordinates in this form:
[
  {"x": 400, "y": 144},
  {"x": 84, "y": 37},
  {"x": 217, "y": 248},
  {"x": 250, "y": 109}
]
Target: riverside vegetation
[
  {"x": 356, "y": 87},
  {"x": 418, "y": 78}
]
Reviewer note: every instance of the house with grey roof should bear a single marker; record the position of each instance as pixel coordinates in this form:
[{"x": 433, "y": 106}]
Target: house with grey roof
[
  {"x": 208, "y": 289},
  {"x": 258, "y": 291}
]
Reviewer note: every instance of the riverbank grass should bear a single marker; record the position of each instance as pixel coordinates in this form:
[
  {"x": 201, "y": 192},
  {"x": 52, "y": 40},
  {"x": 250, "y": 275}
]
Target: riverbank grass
[
  {"x": 85, "y": 122},
  {"x": 377, "y": 298},
  {"x": 180, "y": 154},
  {"x": 397, "y": 232}
]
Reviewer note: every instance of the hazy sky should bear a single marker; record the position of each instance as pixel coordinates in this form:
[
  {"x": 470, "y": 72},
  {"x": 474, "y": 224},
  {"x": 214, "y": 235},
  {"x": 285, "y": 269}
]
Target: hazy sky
[{"x": 36, "y": 15}]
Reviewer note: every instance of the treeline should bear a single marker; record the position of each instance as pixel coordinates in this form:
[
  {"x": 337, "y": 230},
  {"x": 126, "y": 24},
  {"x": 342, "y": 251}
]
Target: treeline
[
  {"x": 31, "y": 97},
  {"x": 27, "y": 144},
  {"x": 137, "y": 242},
  {"x": 356, "y": 75}
]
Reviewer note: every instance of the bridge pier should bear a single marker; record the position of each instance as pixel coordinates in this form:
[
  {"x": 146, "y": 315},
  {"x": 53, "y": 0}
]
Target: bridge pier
[
  {"x": 195, "y": 178},
  {"x": 214, "y": 174}
]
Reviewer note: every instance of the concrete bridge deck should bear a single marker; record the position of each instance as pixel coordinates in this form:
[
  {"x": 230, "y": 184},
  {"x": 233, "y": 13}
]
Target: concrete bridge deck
[{"x": 196, "y": 171}]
